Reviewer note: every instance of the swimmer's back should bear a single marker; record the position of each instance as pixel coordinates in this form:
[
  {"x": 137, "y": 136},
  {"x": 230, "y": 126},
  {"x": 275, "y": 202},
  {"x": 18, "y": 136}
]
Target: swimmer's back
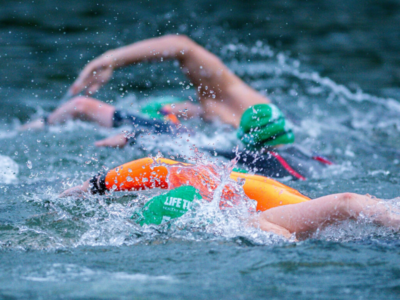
[{"x": 288, "y": 161}]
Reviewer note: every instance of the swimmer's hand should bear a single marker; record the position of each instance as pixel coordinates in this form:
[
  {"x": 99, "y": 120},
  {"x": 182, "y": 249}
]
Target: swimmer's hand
[
  {"x": 95, "y": 74},
  {"x": 259, "y": 222},
  {"x": 35, "y": 125},
  {"x": 117, "y": 141},
  {"x": 76, "y": 191}
]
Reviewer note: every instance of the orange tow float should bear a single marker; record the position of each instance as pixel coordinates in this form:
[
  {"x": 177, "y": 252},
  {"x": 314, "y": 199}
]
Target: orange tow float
[{"x": 148, "y": 173}]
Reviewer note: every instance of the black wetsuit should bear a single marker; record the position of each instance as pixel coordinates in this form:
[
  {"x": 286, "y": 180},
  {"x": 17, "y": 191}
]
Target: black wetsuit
[
  {"x": 288, "y": 160},
  {"x": 139, "y": 123}
]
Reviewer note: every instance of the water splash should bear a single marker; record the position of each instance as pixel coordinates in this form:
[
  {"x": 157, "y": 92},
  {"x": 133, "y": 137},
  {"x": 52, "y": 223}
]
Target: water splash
[
  {"x": 105, "y": 220},
  {"x": 9, "y": 170}
]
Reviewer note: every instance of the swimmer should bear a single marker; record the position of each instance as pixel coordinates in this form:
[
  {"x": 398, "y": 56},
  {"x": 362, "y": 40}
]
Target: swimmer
[
  {"x": 221, "y": 94},
  {"x": 288, "y": 161},
  {"x": 187, "y": 182}
]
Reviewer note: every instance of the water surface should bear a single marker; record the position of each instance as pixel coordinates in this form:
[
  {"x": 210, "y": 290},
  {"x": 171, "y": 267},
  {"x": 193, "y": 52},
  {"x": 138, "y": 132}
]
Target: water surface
[{"x": 332, "y": 66}]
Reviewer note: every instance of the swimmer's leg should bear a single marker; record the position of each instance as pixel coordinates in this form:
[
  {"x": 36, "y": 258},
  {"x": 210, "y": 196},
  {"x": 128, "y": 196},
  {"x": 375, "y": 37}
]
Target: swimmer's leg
[
  {"x": 307, "y": 217},
  {"x": 83, "y": 108}
]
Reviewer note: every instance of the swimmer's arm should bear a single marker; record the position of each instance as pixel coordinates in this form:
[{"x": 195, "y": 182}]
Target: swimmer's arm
[
  {"x": 92, "y": 186},
  {"x": 116, "y": 141},
  {"x": 259, "y": 222},
  {"x": 76, "y": 191},
  {"x": 212, "y": 79},
  {"x": 307, "y": 217},
  {"x": 204, "y": 69},
  {"x": 200, "y": 65}
]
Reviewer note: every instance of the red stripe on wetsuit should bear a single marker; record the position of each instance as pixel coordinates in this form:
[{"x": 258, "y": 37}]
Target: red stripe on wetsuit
[
  {"x": 286, "y": 166},
  {"x": 323, "y": 160}
]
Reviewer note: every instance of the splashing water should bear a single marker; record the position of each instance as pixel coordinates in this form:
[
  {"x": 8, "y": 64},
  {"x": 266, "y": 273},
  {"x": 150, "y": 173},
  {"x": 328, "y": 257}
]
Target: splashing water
[
  {"x": 105, "y": 221},
  {"x": 8, "y": 170}
]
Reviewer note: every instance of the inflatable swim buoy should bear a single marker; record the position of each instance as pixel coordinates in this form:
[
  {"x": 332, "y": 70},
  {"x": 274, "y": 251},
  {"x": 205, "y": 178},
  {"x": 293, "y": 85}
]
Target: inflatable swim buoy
[{"x": 148, "y": 173}]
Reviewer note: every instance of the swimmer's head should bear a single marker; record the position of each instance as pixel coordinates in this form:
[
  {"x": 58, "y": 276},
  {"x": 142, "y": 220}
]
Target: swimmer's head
[{"x": 264, "y": 125}]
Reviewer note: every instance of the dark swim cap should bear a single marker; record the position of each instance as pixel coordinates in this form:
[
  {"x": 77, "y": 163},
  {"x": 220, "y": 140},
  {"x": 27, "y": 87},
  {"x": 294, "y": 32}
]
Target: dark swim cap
[{"x": 264, "y": 125}]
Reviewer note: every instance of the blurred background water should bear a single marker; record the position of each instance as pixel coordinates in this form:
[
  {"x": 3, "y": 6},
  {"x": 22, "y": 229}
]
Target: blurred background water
[{"x": 332, "y": 65}]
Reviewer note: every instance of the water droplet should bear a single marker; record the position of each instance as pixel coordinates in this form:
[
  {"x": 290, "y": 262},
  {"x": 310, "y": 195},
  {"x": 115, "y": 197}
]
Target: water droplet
[{"x": 29, "y": 164}]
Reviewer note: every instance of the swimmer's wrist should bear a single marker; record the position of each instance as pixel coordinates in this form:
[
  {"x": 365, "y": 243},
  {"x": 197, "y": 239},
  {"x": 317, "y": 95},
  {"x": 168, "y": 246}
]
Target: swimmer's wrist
[
  {"x": 112, "y": 60},
  {"x": 97, "y": 185},
  {"x": 130, "y": 139}
]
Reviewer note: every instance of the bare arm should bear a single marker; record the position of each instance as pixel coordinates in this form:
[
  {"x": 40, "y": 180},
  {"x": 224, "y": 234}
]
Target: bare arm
[
  {"x": 76, "y": 191},
  {"x": 265, "y": 225},
  {"x": 203, "y": 68},
  {"x": 307, "y": 217}
]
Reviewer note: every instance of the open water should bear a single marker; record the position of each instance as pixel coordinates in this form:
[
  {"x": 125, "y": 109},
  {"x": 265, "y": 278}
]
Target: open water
[{"x": 333, "y": 66}]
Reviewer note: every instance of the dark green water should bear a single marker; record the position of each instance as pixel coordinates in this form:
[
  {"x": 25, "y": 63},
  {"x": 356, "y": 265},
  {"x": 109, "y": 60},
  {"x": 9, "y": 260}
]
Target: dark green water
[{"x": 333, "y": 65}]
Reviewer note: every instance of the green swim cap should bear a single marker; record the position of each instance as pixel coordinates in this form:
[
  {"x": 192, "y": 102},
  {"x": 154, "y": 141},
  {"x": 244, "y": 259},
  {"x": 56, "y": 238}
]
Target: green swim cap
[
  {"x": 239, "y": 170},
  {"x": 264, "y": 125},
  {"x": 152, "y": 108},
  {"x": 165, "y": 207}
]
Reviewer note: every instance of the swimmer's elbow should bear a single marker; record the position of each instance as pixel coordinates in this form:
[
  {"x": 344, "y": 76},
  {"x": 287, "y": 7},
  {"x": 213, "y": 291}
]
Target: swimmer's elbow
[
  {"x": 344, "y": 205},
  {"x": 182, "y": 42},
  {"x": 346, "y": 199}
]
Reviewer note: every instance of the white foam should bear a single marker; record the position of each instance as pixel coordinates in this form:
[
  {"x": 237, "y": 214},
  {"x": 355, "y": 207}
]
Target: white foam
[
  {"x": 59, "y": 272},
  {"x": 8, "y": 170},
  {"x": 7, "y": 134}
]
